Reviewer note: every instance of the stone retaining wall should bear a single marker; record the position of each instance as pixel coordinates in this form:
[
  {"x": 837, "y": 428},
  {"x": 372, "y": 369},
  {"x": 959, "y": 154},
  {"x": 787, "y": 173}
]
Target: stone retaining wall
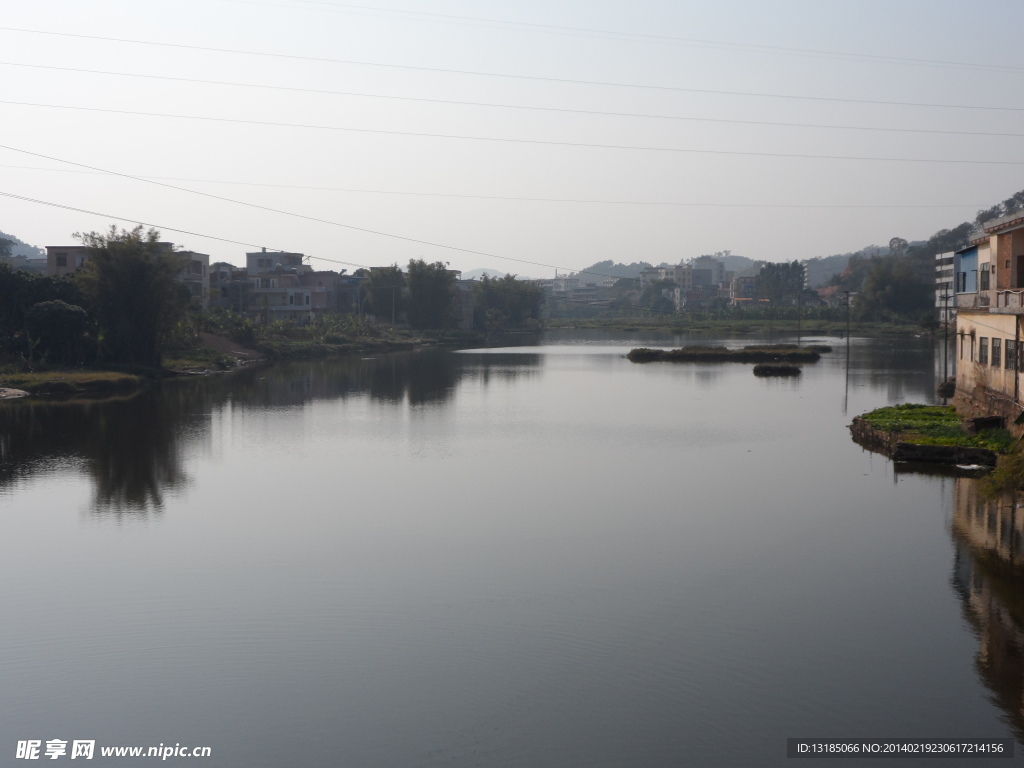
[{"x": 888, "y": 443}]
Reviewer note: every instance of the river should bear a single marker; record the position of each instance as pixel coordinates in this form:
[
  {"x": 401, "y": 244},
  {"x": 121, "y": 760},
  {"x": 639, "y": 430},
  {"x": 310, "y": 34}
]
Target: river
[{"x": 518, "y": 556}]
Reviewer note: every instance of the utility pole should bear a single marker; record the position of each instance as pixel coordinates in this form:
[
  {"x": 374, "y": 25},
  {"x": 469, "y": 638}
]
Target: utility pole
[
  {"x": 798, "y": 297},
  {"x": 847, "y": 328},
  {"x": 945, "y": 342}
]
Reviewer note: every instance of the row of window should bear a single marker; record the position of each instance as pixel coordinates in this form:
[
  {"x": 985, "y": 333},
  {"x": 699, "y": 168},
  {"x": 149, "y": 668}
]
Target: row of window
[{"x": 1011, "y": 359}]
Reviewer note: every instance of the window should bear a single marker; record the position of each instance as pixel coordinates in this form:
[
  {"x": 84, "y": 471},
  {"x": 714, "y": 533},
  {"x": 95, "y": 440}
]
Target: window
[
  {"x": 961, "y": 346},
  {"x": 961, "y": 282},
  {"x": 1011, "y": 354},
  {"x": 984, "y": 277},
  {"x": 983, "y": 350},
  {"x": 62, "y": 261},
  {"x": 291, "y": 298},
  {"x": 996, "y": 349},
  {"x": 307, "y": 299}
]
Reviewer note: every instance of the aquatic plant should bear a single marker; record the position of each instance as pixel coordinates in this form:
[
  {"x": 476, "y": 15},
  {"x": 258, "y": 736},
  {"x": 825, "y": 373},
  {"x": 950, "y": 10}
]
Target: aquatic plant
[{"x": 776, "y": 369}]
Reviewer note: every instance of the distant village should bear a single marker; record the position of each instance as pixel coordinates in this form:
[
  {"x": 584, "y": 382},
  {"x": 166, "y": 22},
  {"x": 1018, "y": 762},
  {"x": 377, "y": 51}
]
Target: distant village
[{"x": 276, "y": 285}]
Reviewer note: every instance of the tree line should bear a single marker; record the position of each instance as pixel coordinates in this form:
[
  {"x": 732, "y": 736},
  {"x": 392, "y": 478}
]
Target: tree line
[
  {"x": 429, "y": 299},
  {"x": 126, "y": 305}
]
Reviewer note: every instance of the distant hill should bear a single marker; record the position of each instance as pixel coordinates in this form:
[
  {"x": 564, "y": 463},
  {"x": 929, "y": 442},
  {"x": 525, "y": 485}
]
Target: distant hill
[
  {"x": 21, "y": 248},
  {"x": 611, "y": 269}
]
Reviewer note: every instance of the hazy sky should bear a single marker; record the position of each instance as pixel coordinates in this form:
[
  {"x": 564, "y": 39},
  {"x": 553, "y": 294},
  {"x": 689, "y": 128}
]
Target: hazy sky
[{"x": 585, "y": 203}]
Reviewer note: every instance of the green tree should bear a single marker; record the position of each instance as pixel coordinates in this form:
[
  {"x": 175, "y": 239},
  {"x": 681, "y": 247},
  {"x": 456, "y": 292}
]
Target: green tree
[
  {"x": 131, "y": 289},
  {"x": 780, "y": 282},
  {"x": 431, "y": 295},
  {"x": 654, "y": 300},
  {"x": 892, "y": 289},
  {"x": 505, "y": 303},
  {"x": 59, "y": 329},
  {"x": 385, "y": 292},
  {"x": 19, "y": 292}
]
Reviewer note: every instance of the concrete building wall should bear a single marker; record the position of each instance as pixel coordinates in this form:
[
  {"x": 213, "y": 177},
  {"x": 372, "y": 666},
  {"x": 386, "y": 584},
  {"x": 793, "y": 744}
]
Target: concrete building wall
[
  {"x": 64, "y": 259},
  {"x": 986, "y": 343}
]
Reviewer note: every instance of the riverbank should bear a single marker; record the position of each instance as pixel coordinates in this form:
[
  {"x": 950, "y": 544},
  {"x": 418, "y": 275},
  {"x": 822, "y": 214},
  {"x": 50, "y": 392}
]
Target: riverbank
[
  {"x": 71, "y": 381},
  {"x": 220, "y": 354},
  {"x": 740, "y": 325}
]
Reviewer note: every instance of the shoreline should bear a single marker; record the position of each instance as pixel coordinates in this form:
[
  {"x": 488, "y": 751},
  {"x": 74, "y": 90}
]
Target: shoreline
[{"x": 219, "y": 356}]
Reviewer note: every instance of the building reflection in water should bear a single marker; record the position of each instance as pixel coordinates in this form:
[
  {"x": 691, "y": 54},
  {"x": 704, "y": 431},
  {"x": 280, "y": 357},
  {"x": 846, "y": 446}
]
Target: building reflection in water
[
  {"x": 989, "y": 577},
  {"x": 133, "y": 447}
]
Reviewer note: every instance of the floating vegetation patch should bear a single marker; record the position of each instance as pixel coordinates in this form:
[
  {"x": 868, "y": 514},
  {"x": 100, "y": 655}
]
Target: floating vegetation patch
[
  {"x": 773, "y": 353},
  {"x": 776, "y": 369},
  {"x": 930, "y": 425}
]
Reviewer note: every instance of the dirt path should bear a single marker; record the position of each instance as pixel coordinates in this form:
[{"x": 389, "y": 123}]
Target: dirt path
[{"x": 226, "y": 346}]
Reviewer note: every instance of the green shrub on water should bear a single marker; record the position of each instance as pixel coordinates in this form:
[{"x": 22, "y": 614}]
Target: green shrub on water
[
  {"x": 935, "y": 425},
  {"x": 1007, "y": 477}
]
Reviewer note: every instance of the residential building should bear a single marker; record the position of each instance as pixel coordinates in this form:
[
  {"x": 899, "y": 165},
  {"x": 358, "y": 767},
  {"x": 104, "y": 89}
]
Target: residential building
[
  {"x": 742, "y": 291},
  {"x": 945, "y": 298},
  {"x": 268, "y": 261},
  {"x": 195, "y": 275},
  {"x": 711, "y": 271},
  {"x": 988, "y": 321},
  {"x": 64, "y": 259},
  {"x": 281, "y": 296}
]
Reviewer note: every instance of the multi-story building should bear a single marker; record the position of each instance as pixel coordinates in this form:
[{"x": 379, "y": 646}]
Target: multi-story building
[
  {"x": 195, "y": 275},
  {"x": 945, "y": 298},
  {"x": 742, "y": 291},
  {"x": 264, "y": 261},
  {"x": 712, "y": 271},
  {"x": 988, "y": 322}
]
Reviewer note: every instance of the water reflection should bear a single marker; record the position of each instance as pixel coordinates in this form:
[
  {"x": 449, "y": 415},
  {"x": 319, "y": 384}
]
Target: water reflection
[
  {"x": 988, "y": 575},
  {"x": 132, "y": 448}
]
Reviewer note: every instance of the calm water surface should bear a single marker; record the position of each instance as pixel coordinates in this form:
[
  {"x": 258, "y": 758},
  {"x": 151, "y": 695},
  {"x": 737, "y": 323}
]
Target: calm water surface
[{"x": 533, "y": 556}]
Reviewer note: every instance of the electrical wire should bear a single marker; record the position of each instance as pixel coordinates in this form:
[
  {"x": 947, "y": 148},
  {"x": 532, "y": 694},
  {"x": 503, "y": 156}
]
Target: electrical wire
[
  {"x": 533, "y": 108},
  {"x": 165, "y": 228},
  {"x": 646, "y": 37},
  {"x": 504, "y": 140},
  {"x": 582, "y": 201},
  {"x": 416, "y": 68}
]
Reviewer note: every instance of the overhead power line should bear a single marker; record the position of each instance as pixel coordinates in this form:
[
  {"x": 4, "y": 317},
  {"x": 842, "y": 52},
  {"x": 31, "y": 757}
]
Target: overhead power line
[
  {"x": 646, "y": 37},
  {"x": 584, "y": 201},
  {"x": 292, "y": 214},
  {"x": 165, "y": 228},
  {"x": 384, "y": 65},
  {"x": 561, "y": 110},
  {"x": 504, "y": 140}
]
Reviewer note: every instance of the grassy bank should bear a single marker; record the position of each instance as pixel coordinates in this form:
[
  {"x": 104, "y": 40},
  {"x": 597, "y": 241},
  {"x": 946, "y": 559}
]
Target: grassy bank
[
  {"x": 71, "y": 381},
  {"x": 934, "y": 425}
]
